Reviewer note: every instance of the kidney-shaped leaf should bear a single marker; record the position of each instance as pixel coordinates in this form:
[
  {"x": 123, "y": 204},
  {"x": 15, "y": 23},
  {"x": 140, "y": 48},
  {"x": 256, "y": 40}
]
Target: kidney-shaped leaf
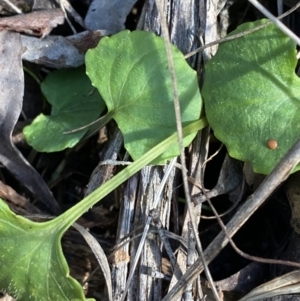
[
  {"x": 32, "y": 263},
  {"x": 252, "y": 94},
  {"x": 75, "y": 103},
  {"x": 131, "y": 72}
]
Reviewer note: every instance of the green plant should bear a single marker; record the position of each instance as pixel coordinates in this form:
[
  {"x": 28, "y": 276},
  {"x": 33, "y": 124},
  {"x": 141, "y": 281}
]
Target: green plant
[
  {"x": 134, "y": 82},
  {"x": 32, "y": 262},
  {"x": 131, "y": 73},
  {"x": 75, "y": 103},
  {"x": 251, "y": 95}
]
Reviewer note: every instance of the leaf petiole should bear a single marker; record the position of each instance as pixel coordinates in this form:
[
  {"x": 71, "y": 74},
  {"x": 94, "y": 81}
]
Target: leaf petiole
[{"x": 66, "y": 219}]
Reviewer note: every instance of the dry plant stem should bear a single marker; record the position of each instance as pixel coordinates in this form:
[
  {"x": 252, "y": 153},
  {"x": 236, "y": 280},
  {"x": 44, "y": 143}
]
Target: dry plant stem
[
  {"x": 239, "y": 35},
  {"x": 144, "y": 287},
  {"x": 231, "y": 208},
  {"x": 243, "y": 254},
  {"x": 15, "y": 8},
  {"x": 68, "y": 7},
  {"x": 212, "y": 156},
  {"x": 62, "y": 6},
  {"x": 130, "y": 237},
  {"x": 166, "y": 37},
  {"x": 277, "y": 176},
  {"x": 121, "y": 256},
  {"x": 200, "y": 151},
  {"x": 164, "y": 239},
  {"x": 115, "y": 163},
  {"x": 276, "y": 21},
  {"x": 146, "y": 229},
  {"x": 190, "y": 258},
  {"x": 226, "y": 39},
  {"x": 197, "y": 157},
  {"x": 103, "y": 172}
]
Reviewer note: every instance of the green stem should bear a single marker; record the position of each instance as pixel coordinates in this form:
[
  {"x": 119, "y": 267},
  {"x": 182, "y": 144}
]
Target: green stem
[
  {"x": 66, "y": 219},
  {"x": 32, "y": 75},
  {"x": 98, "y": 124},
  {"x": 93, "y": 126}
]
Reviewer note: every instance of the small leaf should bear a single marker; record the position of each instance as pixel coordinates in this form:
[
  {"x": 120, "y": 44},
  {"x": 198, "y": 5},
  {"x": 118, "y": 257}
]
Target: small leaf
[
  {"x": 130, "y": 70},
  {"x": 32, "y": 263},
  {"x": 75, "y": 103},
  {"x": 252, "y": 94}
]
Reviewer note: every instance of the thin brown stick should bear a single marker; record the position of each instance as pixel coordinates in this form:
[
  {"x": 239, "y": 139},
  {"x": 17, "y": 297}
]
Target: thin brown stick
[
  {"x": 239, "y": 251},
  {"x": 241, "y": 34},
  {"x": 231, "y": 207},
  {"x": 177, "y": 109},
  {"x": 271, "y": 182}
]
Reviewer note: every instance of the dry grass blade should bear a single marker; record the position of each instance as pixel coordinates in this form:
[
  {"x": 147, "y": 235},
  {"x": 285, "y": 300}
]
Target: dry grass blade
[
  {"x": 286, "y": 284},
  {"x": 67, "y": 7},
  {"x": 121, "y": 254},
  {"x": 276, "y": 21},
  {"x": 165, "y": 33},
  {"x": 100, "y": 256},
  {"x": 14, "y": 7},
  {"x": 147, "y": 226},
  {"x": 241, "y": 34},
  {"x": 166, "y": 37}
]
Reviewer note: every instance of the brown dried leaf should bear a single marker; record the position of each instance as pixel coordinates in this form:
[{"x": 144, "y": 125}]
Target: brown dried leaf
[
  {"x": 38, "y": 23},
  {"x": 58, "y": 51},
  {"x": 9, "y": 194},
  {"x": 11, "y": 99}
]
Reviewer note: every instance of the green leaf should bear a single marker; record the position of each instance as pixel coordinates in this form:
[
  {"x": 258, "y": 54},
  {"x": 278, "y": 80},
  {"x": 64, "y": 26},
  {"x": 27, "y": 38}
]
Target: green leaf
[
  {"x": 32, "y": 263},
  {"x": 130, "y": 70},
  {"x": 251, "y": 95},
  {"x": 75, "y": 103}
]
